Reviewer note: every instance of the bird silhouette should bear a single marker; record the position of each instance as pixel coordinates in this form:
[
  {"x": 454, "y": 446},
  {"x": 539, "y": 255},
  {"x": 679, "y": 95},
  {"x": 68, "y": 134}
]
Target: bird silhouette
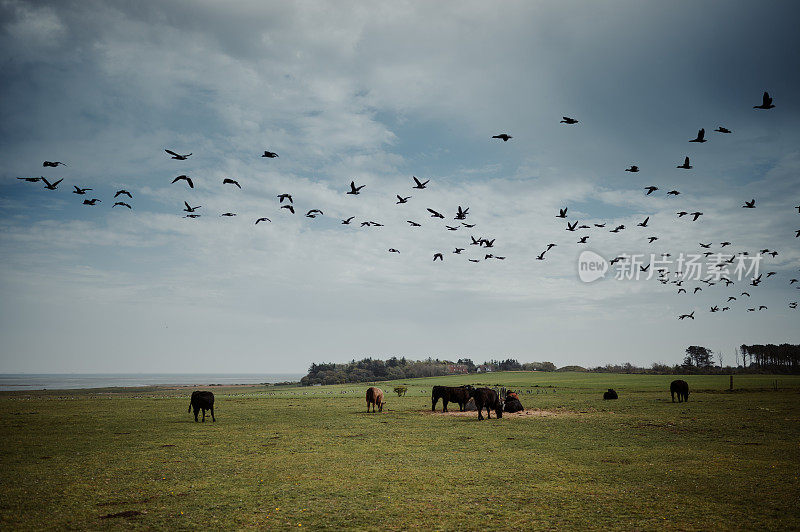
[
  {"x": 451, "y": 228},
  {"x": 568, "y": 120},
  {"x": 282, "y": 197},
  {"x": 681, "y": 290},
  {"x": 673, "y": 193},
  {"x": 393, "y": 250},
  {"x": 502, "y": 136},
  {"x": 121, "y": 203},
  {"x": 458, "y": 251},
  {"x": 697, "y": 289},
  {"x": 435, "y": 214},
  {"x": 700, "y": 136},
  {"x": 123, "y": 193},
  {"x": 652, "y": 239},
  {"x": 721, "y": 129},
  {"x": 583, "y": 240},
  {"x": 348, "y": 220},
  {"x": 192, "y": 216},
  {"x": 92, "y": 201},
  {"x": 562, "y": 213},
  {"x": 313, "y": 213},
  {"x": 600, "y": 225},
  {"x": 644, "y": 223},
  {"x": 690, "y": 315},
  {"x": 685, "y": 165},
  {"x": 401, "y": 199},
  {"x": 696, "y": 215},
  {"x": 414, "y": 224},
  {"x": 474, "y": 260},
  {"x": 633, "y": 168},
  {"x": 80, "y": 191},
  {"x": 263, "y": 219},
  {"x": 178, "y": 156},
  {"x": 573, "y": 226},
  {"x": 461, "y": 214},
  {"x": 650, "y": 190},
  {"x": 469, "y": 226},
  {"x": 269, "y": 154},
  {"x": 540, "y": 256},
  {"x": 230, "y": 181},
  {"x": 706, "y": 246},
  {"x": 189, "y": 208},
  {"x": 749, "y": 204},
  {"x": 185, "y": 178},
  {"x": 53, "y": 164},
  {"x": 288, "y": 207},
  {"x": 438, "y": 256},
  {"x": 354, "y": 189},
  {"x": 51, "y": 186},
  {"x": 35, "y": 179},
  {"x": 681, "y": 214},
  {"x": 550, "y": 246},
  {"x": 766, "y": 102},
  {"x": 228, "y": 214},
  {"x": 419, "y": 184},
  {"x": 488, "y": 243}
]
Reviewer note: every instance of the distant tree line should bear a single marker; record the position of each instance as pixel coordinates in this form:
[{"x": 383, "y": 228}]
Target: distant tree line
[
  {"x": 779, "y": 358},
  {"x": 372, "y": 369}
]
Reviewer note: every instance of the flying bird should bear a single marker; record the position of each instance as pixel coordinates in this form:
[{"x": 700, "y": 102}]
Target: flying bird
[
  {"x": 652, "y": 239},
  {"x": 696, "y": 215},
  {"x": 228, "y": 214},
  {"x": 313, "y": 213},
  {"x": 633, "y": 168},
  {"x": 347, "y": 221},
  {"x": 673, "y": 193},
  {"x": 289, "y": 207},
  {"x": 392, "y": 250},
  {"x": 685, "y": 165},
  {"x": 562, "y": 213},
  {"x": 766, "y": 102},
  {"x": 682, "y": 316},
  {"x": 192, "y": 216},
  {"x": 458, "y": 251},
  {"x": 681, "y": 214},
  {"x": 178, "y": 156},
  {"x": 123, "y": 192},
  {"x": 228, "y": 180},
  {"x": 282, "y": 197},
  {"x": 51, "y": 186},
  {"x": 451, "y": 228},
  {"x": 438, "y": 256},
  {"x": 573, "y": 226},
  {"x": 185, "y": 178},
  {"x": 550, "y": 246},
  {"x": 122, "y": 203},
  {"x": 189, "y": 208},
  {"x": 35, "y": 179},
  {"x": 419, "y": 184},
  {"x": 354, "y": 189},
  {"x": 749, "y": 204},
  {"x": 435, "y": 214},
  {"x": 52, "y": 164},
  {"x": 706, "y": 246},
  {"x": 644, "y": 223},
  {"x": 401, "y": 199},
  {"x": 503, "y": 136},
  {"x": 700, "y": 136},
  {"x": 467, "y": 225},
  {"x": 721, "y": 129},
  {"x": 568, "y": 120},
  {"x": 583, "y": 240},
  {"x": 462, "y": 213},
  {"x": 263, "y": 219},
  {"x": 79, "y": 190},
  {"x": 270, "y": 154},
  {"x": 90, "y": 201},
  {"x": 650, "y": 190},
  {"x": 414, "y": 224}
]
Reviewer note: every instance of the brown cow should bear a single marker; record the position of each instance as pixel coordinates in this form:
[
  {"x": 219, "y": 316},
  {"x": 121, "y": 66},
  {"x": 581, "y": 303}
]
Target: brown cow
[{"x": 375, "y": 397}]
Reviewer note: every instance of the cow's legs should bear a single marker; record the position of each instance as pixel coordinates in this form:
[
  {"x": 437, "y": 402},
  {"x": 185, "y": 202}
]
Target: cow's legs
[
  {"x": 673, "y": 396},
  {"x": 480, "y": 413},
  {"x": 204, "y": 415},
  {"x": 433, "y": 404},
  {"x": 212, "y": 414},
  {"x": 488, "y": 413},
  {"x": 444, "y": 404},
  {"x": 195, "y": 415}
]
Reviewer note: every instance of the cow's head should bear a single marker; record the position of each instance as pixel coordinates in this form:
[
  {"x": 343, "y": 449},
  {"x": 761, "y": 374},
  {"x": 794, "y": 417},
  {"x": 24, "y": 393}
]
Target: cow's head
[{"x": 380, "y": 406}]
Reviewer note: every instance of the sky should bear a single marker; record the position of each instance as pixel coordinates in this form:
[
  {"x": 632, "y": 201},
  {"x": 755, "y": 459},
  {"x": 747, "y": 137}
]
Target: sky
[{"x": 377, "y": 93}]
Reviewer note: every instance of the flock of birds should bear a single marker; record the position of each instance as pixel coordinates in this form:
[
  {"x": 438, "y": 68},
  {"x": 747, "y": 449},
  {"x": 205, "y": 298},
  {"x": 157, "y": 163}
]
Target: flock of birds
[{"x": 285, "y": 203}]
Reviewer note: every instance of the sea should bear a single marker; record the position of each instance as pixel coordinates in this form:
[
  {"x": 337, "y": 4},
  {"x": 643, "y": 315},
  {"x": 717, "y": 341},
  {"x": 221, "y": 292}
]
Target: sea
[{"x": 73, "y": 381}]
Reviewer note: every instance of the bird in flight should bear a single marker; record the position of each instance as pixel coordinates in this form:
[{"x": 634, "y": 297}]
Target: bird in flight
[
  {"x": 749, "y": 204},
  {"x": 80, "y": 191},
  {"x": 451, "y": 228},
  {"x": 652, "y": 239},
  {"x": 393, "y": 250},
  {"x": 313, "y": 213},
  {"x": 192, "y": 216},
  {"x": 228, "y": 180},
  {"x": 438, "y": 256},
  {"x": 401, "y": 199},
  {"x": 458, "y": 251},
  {"x": 721, "y": 129},
  {"x": 568, "y": 120},
  {"x": 650, "y": 190},
  {"x": 435, "y": 214},
  {"x": 121, "y": 203},
  {"x": 503, "y": 136},
  {"x": 706, "y": 246},
  {"x": 92, "y": 201},
  {"x": 673, "y": 193},
  {"x": 462, "y": 213},
  {"x": 562, "y": 213},
  {"x": 681, "y": 214},
  {"x": 185, "y": 178},
  {"x": 269, "y": 154},
  {"x": 633, "y": 168},
  {"x": 354, "y": 189},
  {"x": 189, "y": 208},
  {"x": 700, "y": 136},
  {"x": 228, "y": 214},
  {"x": 289, "y": 207},
  {"x": 469, "y": 226},
  {"x": 583, "y": 240},
  {"x": 123, "y": 192},
  {"x": 178, "y": 156},
  {"x": 35, "y": 179},
  {"x": 282, "y": 197},
  {"x": 348, "y": 220},
  {"x": 264, "y": 219},
  {"x": 53, "y": 164},
  {"x": 696, "y": 215},
  {"x": 682, "y": 316},
  {"x": 726, "y": 243},
  {"x": 685, "y": 165},
  {"x": 644, "y": 223},
  {"x": 414, "y": 224},
  {"x": 51, "y": 186},
  {"x": 550, "y": 246},
  {"x": 766, "y": 102},
  {"x": 419, "y": 184},
  {"x": 573, "y": 226},
  {"x": 540, "y": 256}
]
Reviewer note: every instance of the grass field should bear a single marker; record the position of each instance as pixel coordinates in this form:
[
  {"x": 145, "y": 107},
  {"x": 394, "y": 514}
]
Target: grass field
[{"x": 313, "y": 458}]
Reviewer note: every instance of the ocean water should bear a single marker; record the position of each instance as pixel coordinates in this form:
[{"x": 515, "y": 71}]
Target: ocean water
[{"x": 72, "y": 381}]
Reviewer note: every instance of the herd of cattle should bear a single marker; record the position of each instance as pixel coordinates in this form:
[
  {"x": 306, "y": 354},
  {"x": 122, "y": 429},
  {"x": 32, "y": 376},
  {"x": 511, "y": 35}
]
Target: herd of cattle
[{"x": 488, "y": 398}]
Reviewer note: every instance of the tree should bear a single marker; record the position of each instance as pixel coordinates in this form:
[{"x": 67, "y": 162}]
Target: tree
[{"x": 698, "y": 356}]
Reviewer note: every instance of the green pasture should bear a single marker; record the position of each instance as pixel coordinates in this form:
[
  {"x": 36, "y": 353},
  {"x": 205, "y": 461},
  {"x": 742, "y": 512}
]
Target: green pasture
[{"x": 290, "y": 457}]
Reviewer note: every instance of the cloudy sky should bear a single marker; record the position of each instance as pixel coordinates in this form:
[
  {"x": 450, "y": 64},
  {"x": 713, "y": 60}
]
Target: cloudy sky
[{"x": 377, "y": 92}]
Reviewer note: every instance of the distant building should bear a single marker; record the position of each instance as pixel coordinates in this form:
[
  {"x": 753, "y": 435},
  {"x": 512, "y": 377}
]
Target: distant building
[
  {"x": 485, "y": 368},
  {"x": 457, "y": 368}
]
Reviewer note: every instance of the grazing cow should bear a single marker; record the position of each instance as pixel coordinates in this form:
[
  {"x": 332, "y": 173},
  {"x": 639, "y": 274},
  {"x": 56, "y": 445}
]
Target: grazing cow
[
  {"x": 375, "y": 397},
  {"x": 202, "y": 401},
  {"x": 487, "y": 398},
  {"x": 681, "y": 388},
  {"x": 450, "y": 394},
  {"x": 610, "y": 394},
  {"x": 512, "y": 403}
]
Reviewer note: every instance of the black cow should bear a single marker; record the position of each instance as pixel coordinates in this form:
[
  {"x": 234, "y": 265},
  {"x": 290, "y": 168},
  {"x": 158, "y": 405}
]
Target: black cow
[
  {"x": 488, "y": 398},
  {"x": 450, "y": 394},
  {"x": 202, "y": 401},
  {"x": 681, "y": 388},
  {"x": 610, "y": 394}
]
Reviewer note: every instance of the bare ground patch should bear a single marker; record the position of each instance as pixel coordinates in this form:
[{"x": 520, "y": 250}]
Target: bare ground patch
[{"x": 532, "y": 413}]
